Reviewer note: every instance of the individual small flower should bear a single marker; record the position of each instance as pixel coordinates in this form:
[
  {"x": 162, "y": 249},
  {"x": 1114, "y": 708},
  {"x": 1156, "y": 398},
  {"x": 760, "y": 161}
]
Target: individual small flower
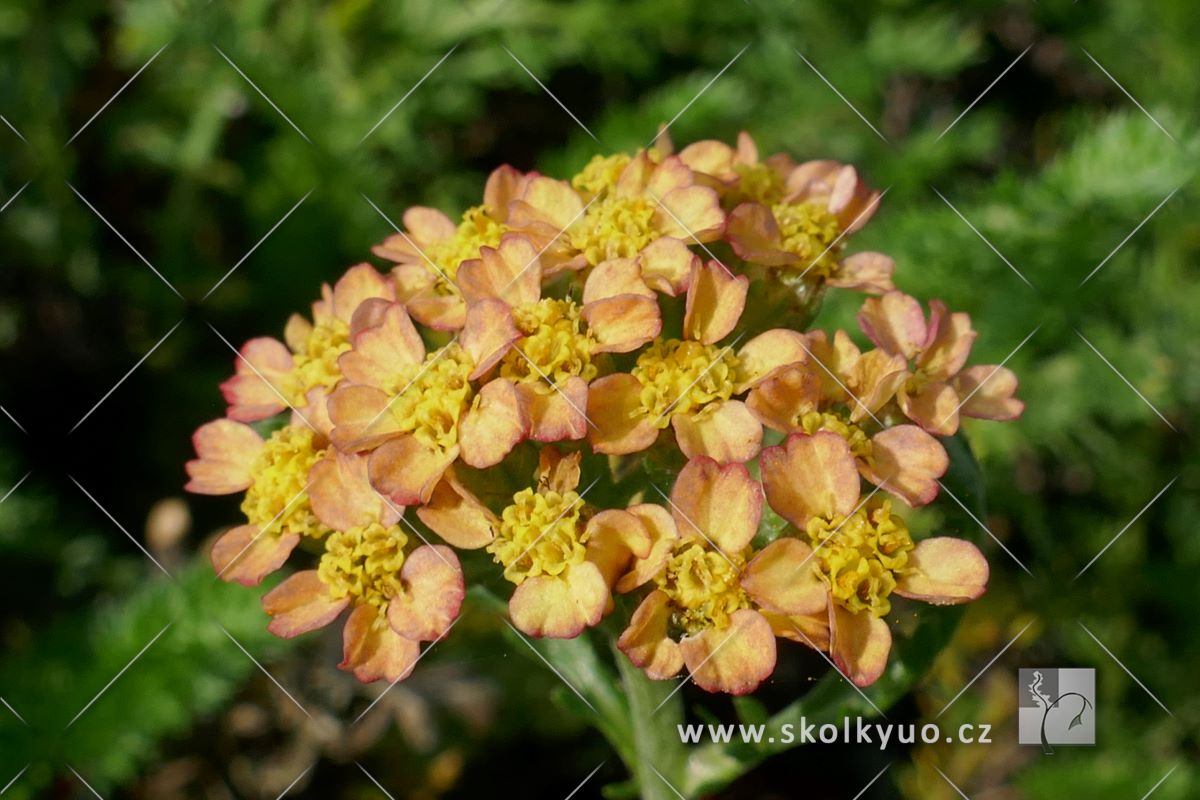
[
  {"x": 649, "y": 203},
  {"x": 698, "y": 615},
  {"x": 541, "y": 351},
  {"x": 860, "y": 552},
  {"x": 398, "y": 596},
  {"x": 271, "y": 376},
  {"x": 686, "y": 383},
  {"x": 803, "y": 232},
  {"x": 736, "y": 173},
  {"x": 563, "y": 556},
  {"x": 275, "y": 476},
  {"x": 416, "y": 411},
  {"x": 433, "y": 247},
  {"x": 820, "y": 391},
  {"x": 936, "y": 388}
]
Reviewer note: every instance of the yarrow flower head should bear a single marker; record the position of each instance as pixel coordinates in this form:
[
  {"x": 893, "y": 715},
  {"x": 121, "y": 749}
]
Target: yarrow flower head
[{"x": 646, "y": 323}]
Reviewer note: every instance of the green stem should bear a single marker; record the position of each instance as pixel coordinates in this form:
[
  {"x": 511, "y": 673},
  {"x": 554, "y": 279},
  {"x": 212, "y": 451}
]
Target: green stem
[{"x": 655, "y": 711}]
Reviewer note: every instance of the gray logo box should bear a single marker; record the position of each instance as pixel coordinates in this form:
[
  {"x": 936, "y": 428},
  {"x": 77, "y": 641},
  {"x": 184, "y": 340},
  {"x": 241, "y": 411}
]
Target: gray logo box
[{"x": 1056, "y": 706}]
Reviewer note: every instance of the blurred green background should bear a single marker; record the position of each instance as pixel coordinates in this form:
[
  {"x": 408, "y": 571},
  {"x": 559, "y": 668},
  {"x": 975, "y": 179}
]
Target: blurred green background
[{"x": 1056, "y": 167}]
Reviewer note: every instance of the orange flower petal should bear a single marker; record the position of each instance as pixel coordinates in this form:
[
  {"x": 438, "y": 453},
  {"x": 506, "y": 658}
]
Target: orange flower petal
[
  {"x": 934, "y": 407},
  {"x": 440, "y": 312},
  {"x": 659, "y": 180},
  {"x": 711, "y": 157},
  {"x": 944, "y": 571},
  {"x": 691, "y": 213},
  {"x": 359, "y": 416},
  {"x": 646, "y": 641},
  {"x": 407, "y": 470},
  {"x": 561, "y": 606},
  {"x": 895, "y": 323},
  {"x": 811, "y": 629},
  {"x": 781, "y": 400},
  {"x": 622, "y": 323},
  {"x": 556, "y": 414},
  {"x": 715, "y": 301},
  {"x": 504, "y": 185},
  {"x": 951, "y": 345},
  {"x": 360, "y": 282},
  {"x": 551, "y": 200},
  {"x": 988, "y": 391},
  {"x": 907, "y": 462},
  {"x": 493, "y": 425},
  {"x": 615, "y": 539},
  {"x": 456, "y": 515},
  {"x": 372, "y": 650},
  {"x": 226, "y": 451},
  {"x": 767, "y": 352},
  {"x": 859, "y": 644},
  {"x": 511, "y": 272},
  {"x": 381, "y": 350},
  {"x": 301, "y": 604},
  {"x": 734, "y": 660},
  {"x": 433, "y": 594},
  {"x": 755, "y": 236},
  {"x": 241, "y": 554},
  {"x": 557, "y": 472},
  {"x": 722, "y": 504},
  {"x": 781, "y": 579},
  {"x": 253, "y": 392},
  {"x": 488, "y": 334},
  {"x": 810, "y": 476},
  {"x": 662, "y": 533},
  {"x": 296, "y": 332},
  {"x": 612, "y": 406},
  {"x": 873, "y": 379},
  {"x": 341, "y": 494},
  {"x": 428, "y": 225},
  {"x": 726, "y": 431},
  {"x": 864, "y": 272},
  {"x": 615, "y": 277},
  {"x": 667, "y": 265}
]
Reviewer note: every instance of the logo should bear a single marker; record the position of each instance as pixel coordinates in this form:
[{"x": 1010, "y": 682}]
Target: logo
[{"x": 1057, "y": 707}]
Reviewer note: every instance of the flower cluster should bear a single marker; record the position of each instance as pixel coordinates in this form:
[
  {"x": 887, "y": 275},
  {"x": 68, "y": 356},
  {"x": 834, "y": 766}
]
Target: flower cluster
[{"x": 647, "y": 318}]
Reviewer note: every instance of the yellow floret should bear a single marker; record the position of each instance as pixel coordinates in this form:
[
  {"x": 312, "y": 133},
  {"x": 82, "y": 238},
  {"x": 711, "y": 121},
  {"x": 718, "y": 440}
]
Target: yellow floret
[
  {"x": 860, "y": 557},
  {"x": 678, "y": 377},
  {"x": 539, "y": 534},
  {"x": 704, "y": 586},
  {"x": 279, "y": 492},
  {"x": 364, "y": 564}
]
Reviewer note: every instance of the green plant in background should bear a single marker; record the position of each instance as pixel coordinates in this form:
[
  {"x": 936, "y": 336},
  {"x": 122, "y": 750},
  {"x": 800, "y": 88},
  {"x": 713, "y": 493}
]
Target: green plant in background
[{"x": 1054, "y": 166}]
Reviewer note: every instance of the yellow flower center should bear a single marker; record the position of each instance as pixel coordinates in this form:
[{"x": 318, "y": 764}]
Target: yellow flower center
[
  {"x": 600, "y": 174},
  {"x": 856, "y": 437},
  {"x": 477, "y": 230},
  {"x": 539, "y": 535},
  {"x": 430, "y": 398},
  {"x": 678, "y": 377},
  {"x": 279, "y": 493},
  {"x": 556, "y": 345},
  {"x": 316, "y": 362},
  {"x": 704, "y": 586},
  {"x": 809, "y": 231},
  {"x": 364, "y": 564},
  {"x": 861, "y": 555},
  {"x": 758, "y": 183},
  {"x": 615, "y": 227}
]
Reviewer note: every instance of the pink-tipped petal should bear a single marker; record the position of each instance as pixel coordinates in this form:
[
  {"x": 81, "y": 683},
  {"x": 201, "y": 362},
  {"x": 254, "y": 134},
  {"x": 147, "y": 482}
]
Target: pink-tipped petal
[
  {"x": 556, "y": 413},
  {"x": 715, "y": 301},
  {"x": 300, "y": 604},
  {"x": 260, "y": 370},
  {"x": 246, "y": 555},
  {"x": 733, "y": 660},
  {"x": 493, "y": 425},
  {"x": 226, "y": 451},
  {"x": 560, "y": 606},
  {"x": 360, "y": 283},
  {"x": 864, "y": 272},
  {"x": 987, "y": 392},
  {"x": 622, "y": 323},
  {"x": 907, "y": 462},
  {"x": 372, "y": 650},
  {"x": 781, "y": 579},
  {"x": 457, "y": 515},
  {"x": 613, "y": 404},
  {"x": 432, "y": 596},
  {"x": 382, "y": 349},
  {"x": 646, "y": 641},
  {"x": 859, "y": 644},
  {"x": 725, "y": 431},
  {"x": 944, "y": 571},
  {"x": 660, "y": 527},
  {"x": 810, "y": 476},
  {"x": 933, "y": 406},
  {"x": 615, "y": 277},
  {"x": 895, "y": 323},
  {"x": 667, "y": 265},
  {"x": 722, "y": 504},
  {"x": 782, "y": 400},
  {"x": 407, "y": 470},
  {"x": 341, "y": 494},
  {"x": 761, "y": 356},
  {"x": 951, "y": 345}
]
